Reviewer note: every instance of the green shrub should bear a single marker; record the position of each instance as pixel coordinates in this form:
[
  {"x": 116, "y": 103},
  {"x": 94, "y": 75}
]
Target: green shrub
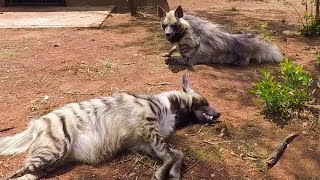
[
  {"x": 318, "y": 59},
  {"x": 282, "y": 97}
]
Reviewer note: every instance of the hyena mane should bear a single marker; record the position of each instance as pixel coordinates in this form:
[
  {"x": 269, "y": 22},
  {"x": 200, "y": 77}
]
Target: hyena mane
[
  {"x": 96, "y": 130},
  {"x": 200, "y": 41}
]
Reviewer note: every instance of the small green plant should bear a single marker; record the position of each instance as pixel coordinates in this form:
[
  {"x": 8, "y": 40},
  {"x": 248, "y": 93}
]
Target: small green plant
[
  {"x": 282, "y": 97},
  {"x": 318, "y": 59},
  {"x": 312, "y": 20},
  {"x": 265, "y": 34}
]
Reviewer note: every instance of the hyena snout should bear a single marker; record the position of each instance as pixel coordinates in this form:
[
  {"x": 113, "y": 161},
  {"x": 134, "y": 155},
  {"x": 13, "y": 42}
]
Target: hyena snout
[
  {"x": 215, "y": 115},
  {"x": 169, "y": 32}
]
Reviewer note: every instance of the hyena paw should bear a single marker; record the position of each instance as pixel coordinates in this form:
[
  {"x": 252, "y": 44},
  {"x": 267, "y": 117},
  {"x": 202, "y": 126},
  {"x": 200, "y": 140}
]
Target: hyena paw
[
  {"x": 159, "y": 176},
  {"x": 171, "y": 61},
  {"x": 165, "y": 54},
  {"x": 174, "y": 176}
]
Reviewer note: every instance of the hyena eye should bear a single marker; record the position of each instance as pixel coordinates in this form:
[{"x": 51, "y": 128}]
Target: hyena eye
[{"x": 164, "y": 26}]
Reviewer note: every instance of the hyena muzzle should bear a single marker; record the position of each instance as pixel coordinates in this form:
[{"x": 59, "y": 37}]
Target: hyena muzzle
[{"x": 96, "y": 130}]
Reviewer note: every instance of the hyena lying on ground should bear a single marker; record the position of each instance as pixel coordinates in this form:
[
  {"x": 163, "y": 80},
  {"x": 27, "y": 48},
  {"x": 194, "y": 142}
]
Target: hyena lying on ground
[
  {"x": 202, "y": 42},
  {"x": 96, "y": 130}
]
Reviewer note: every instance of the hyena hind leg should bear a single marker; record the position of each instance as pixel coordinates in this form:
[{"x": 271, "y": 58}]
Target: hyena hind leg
[{"x": 43, "y": 159}]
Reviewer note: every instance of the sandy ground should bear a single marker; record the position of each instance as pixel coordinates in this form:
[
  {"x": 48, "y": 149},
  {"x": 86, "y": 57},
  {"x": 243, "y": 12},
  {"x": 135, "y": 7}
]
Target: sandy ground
[{"x": 72, "y": 64}]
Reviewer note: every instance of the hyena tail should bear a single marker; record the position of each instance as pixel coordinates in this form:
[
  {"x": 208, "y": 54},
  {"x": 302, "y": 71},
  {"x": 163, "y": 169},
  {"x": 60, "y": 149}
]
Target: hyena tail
[
  {"x": 17, "y": 143},
  {"x": 265, "y": 52}
]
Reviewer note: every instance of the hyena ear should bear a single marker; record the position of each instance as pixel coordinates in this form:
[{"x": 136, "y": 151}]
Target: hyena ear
[
  {"x": 178, "y": 12},
  {"x": 161, "y": 12},
  {"x": 185, "y": 84}
]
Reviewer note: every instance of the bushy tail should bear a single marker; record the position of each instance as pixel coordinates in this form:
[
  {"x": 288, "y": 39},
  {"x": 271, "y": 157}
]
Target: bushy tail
[
  {"x": 265, "y": 52},
  {"x": 17, "y": 143}
]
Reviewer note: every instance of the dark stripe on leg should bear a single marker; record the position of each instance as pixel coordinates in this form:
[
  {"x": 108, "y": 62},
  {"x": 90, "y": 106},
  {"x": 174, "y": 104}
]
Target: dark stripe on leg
[{"x": 64, "y": 127}]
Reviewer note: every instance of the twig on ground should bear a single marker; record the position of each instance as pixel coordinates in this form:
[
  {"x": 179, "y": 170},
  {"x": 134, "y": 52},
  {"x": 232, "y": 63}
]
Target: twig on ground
[
  {"x": 313, "y": 106},
  {"x": 159, "y": 84},
  {"x": 126, "y": 64},
  {"x": 198, "y": 131},
  {"x": 77, "y": 93},
  {"x": 192, "y": 166},
  {"x": 6, "y": 129},
  {"x": 273, "y": 158},
  {"x": 215, "y": 143},
  {"x": 134, "y": 164}
]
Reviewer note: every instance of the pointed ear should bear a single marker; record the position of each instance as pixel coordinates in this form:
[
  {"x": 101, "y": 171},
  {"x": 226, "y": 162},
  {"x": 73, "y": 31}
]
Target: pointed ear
[
  {"x": 161, "y": 12},
  {"x": 185, "y": 84},
  {"x": 178, "y": 12}
]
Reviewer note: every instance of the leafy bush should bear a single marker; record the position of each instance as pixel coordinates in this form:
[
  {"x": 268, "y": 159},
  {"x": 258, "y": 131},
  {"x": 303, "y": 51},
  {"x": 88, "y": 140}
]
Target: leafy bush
[
  {"x": 312, "y": 25},
  {"x": 318, "y": 59},
  {"x": 312, "y": 28},
  {"x": 284, "y": 96}
]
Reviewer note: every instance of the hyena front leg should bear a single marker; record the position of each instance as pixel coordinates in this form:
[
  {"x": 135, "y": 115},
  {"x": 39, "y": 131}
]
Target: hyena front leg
[
  {"x": 172, "y": 50},
  {"x": 186, "y": 52},
  {"x": 175, "y": 171},
  {"x": 46, "y": 153},
  {"x": 161, "y": 150}
]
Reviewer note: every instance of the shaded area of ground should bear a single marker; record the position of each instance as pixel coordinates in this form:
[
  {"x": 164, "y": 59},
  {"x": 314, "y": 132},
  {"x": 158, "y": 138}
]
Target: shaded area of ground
[{"x": 72, "y": 64}]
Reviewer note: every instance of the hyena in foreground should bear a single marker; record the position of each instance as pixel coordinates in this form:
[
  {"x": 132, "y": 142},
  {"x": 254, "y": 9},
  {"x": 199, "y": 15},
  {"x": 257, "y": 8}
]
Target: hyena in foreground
[
  {"x": 203, "y": 42},
  {"x": 96, "y": 130}
]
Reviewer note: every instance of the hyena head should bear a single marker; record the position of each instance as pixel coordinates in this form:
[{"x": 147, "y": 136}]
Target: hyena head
[
  {"x": 173, "y": 26},
  {"x": 194, "y": 108}
]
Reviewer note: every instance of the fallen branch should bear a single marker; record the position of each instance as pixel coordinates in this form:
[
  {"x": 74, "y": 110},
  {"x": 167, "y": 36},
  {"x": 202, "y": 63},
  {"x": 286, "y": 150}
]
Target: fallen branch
[
  {"x": 159, "y": 84},
  {"x": 6, "y": 129},
  {"x": 274, "y": 157}
]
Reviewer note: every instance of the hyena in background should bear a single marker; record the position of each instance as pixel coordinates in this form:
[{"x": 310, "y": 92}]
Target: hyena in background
[
  {"x": 96, "y": 130},
  {"x": 203, "y": 42}
]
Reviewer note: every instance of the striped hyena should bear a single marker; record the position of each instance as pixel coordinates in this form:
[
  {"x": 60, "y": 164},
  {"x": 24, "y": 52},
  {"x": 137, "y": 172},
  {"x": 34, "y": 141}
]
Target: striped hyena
[
  {"x": 95, "y": 130},
  {"x": 203, "y": 42}
]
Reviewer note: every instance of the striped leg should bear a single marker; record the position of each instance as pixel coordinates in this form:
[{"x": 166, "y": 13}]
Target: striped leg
[
  {"x": 44, "y": 159},
  {"x": 175, "y": 171},
  {"x": 177, "y": 61},
  {"x": 160, "y": 149},
  {"x": 48, "y": 151}
]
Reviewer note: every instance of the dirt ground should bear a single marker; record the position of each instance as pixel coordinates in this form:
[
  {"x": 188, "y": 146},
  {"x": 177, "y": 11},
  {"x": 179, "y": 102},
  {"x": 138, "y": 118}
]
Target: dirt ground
[{"x": 41, "y": 69}]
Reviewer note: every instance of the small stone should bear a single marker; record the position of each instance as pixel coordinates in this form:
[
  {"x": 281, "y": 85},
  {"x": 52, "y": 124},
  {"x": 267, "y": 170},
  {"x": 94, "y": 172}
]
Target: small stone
[
  {"x": 56, "y": 45},
  {"x": 304, "y": 132},
  {"x": 212, "y": 175}
]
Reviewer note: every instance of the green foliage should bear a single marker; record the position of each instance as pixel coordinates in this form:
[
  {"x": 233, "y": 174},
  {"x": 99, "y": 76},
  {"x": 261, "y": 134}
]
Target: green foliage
[
  {"x": 312, "y": 21},
  {"x": 281, "y": 97},
  {"x": 318, "y": 59},
  {"x": 312, "y": 27}
]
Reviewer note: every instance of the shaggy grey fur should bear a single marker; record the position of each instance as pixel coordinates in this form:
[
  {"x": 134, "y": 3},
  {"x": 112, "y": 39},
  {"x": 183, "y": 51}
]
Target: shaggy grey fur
[{"x": 203, "y": 42}]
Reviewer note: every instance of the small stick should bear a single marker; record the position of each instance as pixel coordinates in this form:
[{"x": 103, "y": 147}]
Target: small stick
[
  {"x": 274, "y": 157},
  {"x": 215, "y": 143},
  {"x": 191, "y": 167},
  {"x": 6, "y": 129},
  {"x": 198, "y": 131},
  {"x": 77, "y": 93},
  {"x": 134, "y": 164},
  {"x": 159, "y": 84}
]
